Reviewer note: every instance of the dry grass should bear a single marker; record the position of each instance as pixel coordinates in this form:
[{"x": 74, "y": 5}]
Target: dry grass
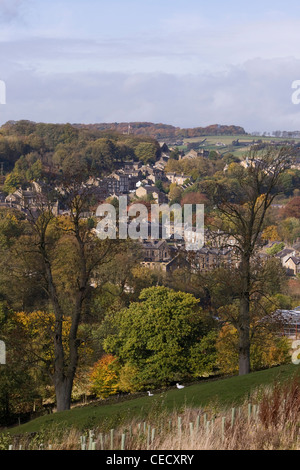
[{"x": 270, "y": 422}]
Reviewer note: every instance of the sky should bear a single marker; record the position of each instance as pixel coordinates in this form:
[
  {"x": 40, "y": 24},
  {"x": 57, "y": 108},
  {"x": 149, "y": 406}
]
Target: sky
[{"x": 187, "y": 63}]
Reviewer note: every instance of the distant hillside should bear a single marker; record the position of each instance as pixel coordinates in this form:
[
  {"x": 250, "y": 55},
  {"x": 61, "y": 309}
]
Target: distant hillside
[
  {"x": 164, "y": 131},
  {"x": 50, "y": 149}
]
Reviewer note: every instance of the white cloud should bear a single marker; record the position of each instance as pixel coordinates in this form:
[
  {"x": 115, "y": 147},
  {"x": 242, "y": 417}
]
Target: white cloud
[
  {"x": 184, "y": 69},
  {"x": 255, "y": 95}
]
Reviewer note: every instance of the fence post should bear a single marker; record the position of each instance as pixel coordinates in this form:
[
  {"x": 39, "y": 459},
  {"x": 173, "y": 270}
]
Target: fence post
[
  {"x": 101, "y": 441},
  {"x": 91, "y": 436},
  {"x": 204, "y": 420},
  {"x": 148, "y": 436},
  {"x": 232, "y": 417},
  {"x": 223, "y": 428},
  {"x": 197, "y": 423},
  {"x": 249, "y": 411},
  {"x": 254, "y": 411},
  {"x": 112, "y": 439},
  {"x": 207, "y": 427},
  {"x": 179, "y": 425},
  {"x": 123, "y": 442},
  {"x": 83, "y": 442},
  {"x": 152, "y": 435}
]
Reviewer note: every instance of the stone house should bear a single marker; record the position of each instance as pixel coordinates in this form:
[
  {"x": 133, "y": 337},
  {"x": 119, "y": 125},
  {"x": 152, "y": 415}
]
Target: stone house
[
  {"x": 192, "y": 154},
  {"x": 22, "y": 199},
  {"x": 156, "y": 254},
  {"x": 208, "y": 259},
  {"x": 144, "y": 191},
  {"x": 293, "y": 265},
  {"x": 176, "y": 178}
]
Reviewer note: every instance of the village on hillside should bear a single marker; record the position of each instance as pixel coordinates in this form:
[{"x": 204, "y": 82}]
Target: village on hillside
[{"x": 143, "y": 182}]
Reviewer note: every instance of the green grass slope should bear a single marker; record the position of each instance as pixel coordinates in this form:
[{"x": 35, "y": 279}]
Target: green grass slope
[{"x": 229, "y": 391}]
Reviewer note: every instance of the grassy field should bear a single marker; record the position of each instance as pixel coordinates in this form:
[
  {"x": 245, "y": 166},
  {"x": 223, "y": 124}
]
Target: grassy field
[
  {"x": 211, "y": 141},
  {"x": 227, "y": 139},
  {"x": 217, "y": 393}
]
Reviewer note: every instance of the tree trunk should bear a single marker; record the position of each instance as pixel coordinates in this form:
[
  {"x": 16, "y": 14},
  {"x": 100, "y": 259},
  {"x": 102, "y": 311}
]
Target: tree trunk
[
  {"x": 244, "y": 339},
  {"x": 244, "y": 319},
  {"x": 63, "y": 392},
  {"x": 64, "y": 373}
]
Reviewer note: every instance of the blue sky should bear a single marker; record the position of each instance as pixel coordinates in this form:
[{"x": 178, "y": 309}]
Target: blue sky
[{"x": 187, "y": 63}]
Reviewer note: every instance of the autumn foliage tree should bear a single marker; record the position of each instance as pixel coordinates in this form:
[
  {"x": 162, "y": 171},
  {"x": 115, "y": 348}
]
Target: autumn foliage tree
[
  {"x": 242, "y": 211},
  {"x": 267, "y": 350},
  {"x": 104, "y": 377},
  {"x": 292, "y": 208},
  {"x": 67, "y": 254}
]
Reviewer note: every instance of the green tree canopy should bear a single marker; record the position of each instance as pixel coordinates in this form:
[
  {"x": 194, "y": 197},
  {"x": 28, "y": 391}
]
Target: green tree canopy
[
  {"x": 146, "y": 151},
  {"x": 158, "y": 335}
]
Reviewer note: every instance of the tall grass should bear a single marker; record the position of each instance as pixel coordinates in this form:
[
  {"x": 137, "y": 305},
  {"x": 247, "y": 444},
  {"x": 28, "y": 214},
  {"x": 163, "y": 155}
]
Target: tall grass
[{"x": 269, "y": 420}]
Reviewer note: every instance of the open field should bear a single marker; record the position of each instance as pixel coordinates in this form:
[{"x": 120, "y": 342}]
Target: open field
[
  {"x": 211, "y": 141},
  {"x": 112, "y": 413},
  {"x": 227, "y": 139}
]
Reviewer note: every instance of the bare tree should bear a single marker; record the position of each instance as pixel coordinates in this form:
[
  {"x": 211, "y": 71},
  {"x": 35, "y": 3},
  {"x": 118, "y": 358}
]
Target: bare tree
[{"x": 241, "y": 209}]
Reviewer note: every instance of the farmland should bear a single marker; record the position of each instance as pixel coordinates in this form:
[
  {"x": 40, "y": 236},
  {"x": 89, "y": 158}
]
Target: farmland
[{"x": 223, "y": 143}]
